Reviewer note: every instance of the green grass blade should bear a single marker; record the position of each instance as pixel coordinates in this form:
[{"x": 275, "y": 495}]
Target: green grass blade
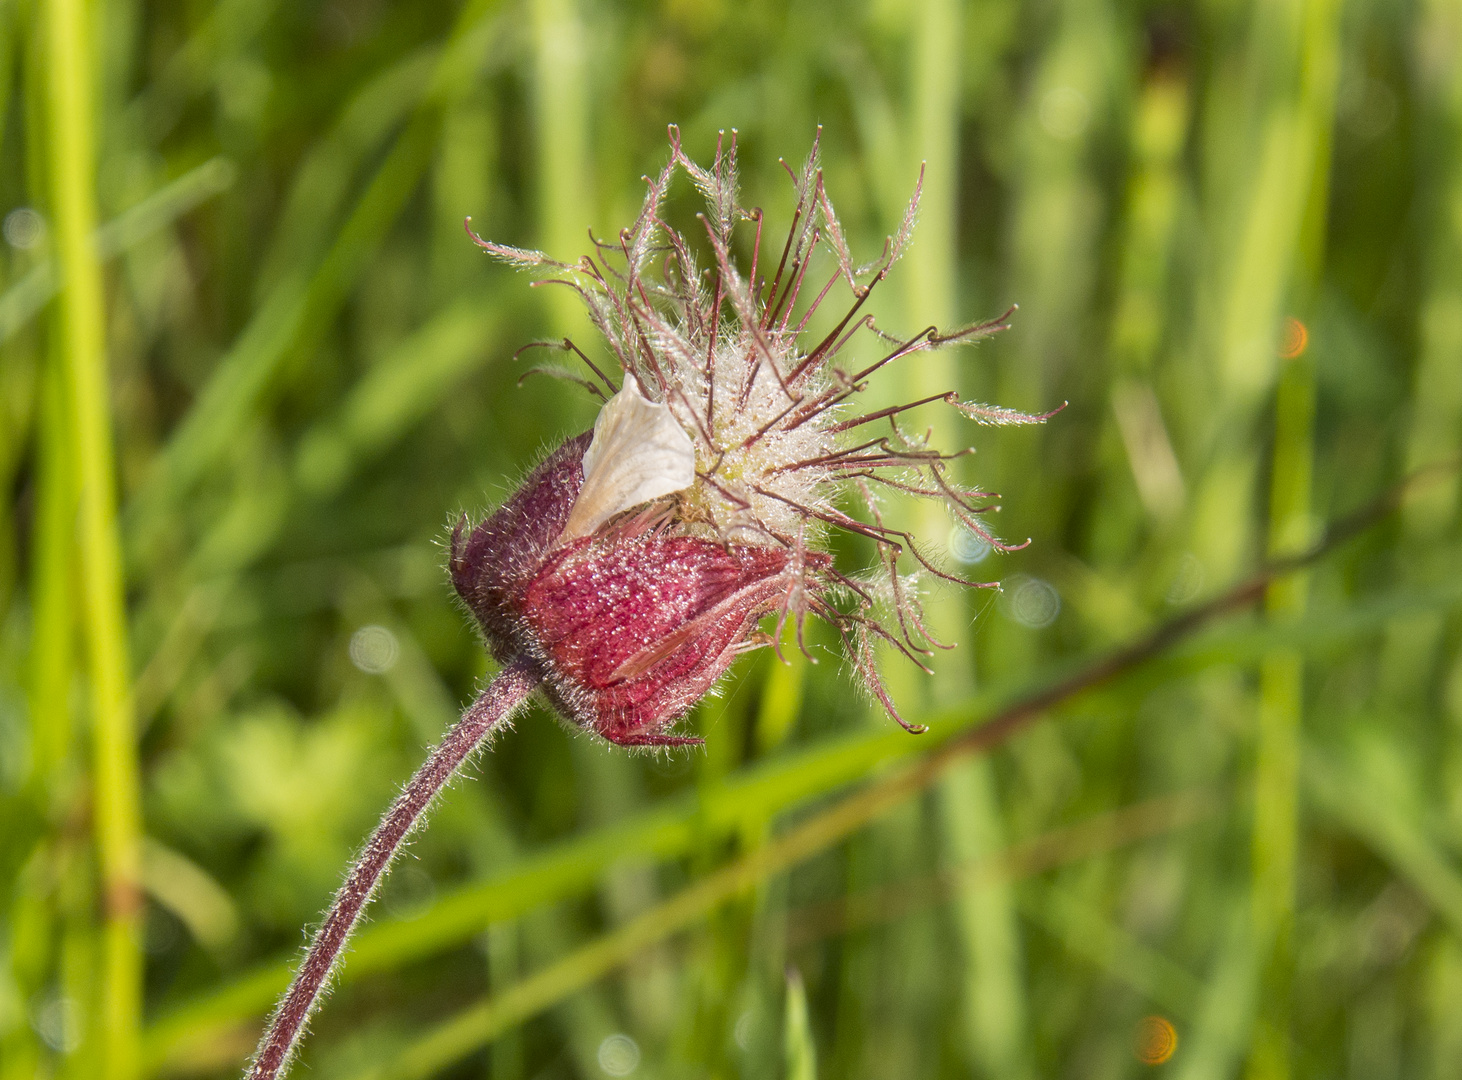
[
  {"x": 799, "y": 1050},
  {"x": 993, "y": 989},
  {"x": 561, "y": 119},
  {"x": 1276, "y": 830},
  {"x": 116, "y": 784},
  {"x": 53, "y": 608}
]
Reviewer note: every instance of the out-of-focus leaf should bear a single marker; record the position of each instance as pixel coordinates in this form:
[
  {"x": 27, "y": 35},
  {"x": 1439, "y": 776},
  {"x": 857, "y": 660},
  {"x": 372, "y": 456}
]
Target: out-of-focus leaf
[
  {"x": 20, "y": 302},
  {"x": 1357, "y": 795}
]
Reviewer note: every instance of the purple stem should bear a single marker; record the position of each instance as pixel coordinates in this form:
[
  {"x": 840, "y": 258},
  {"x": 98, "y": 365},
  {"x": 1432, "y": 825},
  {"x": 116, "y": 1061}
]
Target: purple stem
[{"x": 493, "y": 707}]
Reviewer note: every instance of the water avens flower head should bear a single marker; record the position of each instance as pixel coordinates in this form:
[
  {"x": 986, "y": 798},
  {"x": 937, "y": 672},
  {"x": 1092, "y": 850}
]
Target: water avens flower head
[
  {"x": 636, "y": 562},
  {"x": 639, "y": 559}
]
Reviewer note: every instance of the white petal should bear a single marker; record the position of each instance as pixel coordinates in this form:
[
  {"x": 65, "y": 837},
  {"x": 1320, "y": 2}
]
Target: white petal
[{"x": 639, "y": 452}]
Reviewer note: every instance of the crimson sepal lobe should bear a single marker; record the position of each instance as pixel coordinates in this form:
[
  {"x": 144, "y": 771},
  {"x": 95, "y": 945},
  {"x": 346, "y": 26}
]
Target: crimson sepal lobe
[
  {"x": 493, "y": 563},
  {"x": 635, "y": 632}
]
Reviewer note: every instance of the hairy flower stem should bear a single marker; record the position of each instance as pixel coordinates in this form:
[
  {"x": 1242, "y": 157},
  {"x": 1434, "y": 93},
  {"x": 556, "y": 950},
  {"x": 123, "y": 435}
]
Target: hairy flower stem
[{"x": 495, "y": 706}]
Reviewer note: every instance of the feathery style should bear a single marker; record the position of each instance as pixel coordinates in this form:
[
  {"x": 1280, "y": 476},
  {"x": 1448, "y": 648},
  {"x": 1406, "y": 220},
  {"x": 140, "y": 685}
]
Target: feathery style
[{"x": 635, "y": 563}]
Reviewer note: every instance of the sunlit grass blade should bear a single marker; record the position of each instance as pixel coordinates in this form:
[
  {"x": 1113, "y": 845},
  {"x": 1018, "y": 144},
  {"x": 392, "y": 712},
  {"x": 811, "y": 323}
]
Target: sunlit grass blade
[
  {"x": 990, "y": 934},
  {"x": 799, "y": 1049},
  {"x": 52, "y": 593},
  {"x": 116, "y": 808},
  {"x": 991, "y": 980},
  {"x": 1281, "y": 675},
  {"x": 561, "y": 117}
]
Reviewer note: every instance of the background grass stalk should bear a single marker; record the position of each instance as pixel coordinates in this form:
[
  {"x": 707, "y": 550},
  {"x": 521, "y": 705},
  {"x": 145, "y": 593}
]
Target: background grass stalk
[
  {"x": 52, "y": 596},
  {"x": 561, "y": 130},
  {"x": 967, "y": 803},
  {"x": 116, "y": 808},
  {"x": 1282, "y": 674},
  {"x": 1281, "y": 708},
  {"x": 1417, "y": 663},
  {"x": 799, "y": 1050},
  {"x": 1412, "y": 660}
]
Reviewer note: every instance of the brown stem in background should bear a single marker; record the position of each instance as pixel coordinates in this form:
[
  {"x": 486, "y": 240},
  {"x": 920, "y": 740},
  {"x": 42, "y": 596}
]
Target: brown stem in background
[{"x": 494, "y": 707}]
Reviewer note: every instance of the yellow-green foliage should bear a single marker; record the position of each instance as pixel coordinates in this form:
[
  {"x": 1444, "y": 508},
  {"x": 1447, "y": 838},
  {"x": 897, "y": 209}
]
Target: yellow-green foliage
[{"x": 251, "y": 366}]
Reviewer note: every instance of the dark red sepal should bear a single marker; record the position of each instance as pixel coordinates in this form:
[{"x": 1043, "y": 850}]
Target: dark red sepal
[{"x": 634, "y": 632}]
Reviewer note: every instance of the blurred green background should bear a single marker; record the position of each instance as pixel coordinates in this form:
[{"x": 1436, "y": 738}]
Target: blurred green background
[{"x": 250, "y": 367}]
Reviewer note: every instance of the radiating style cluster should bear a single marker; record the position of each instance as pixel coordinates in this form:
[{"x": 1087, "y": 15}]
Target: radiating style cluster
[{"x": 634, "y": 564}]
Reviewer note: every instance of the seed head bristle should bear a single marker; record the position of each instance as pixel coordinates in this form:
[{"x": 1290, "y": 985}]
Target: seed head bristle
[{"x": 781, "y": 455}]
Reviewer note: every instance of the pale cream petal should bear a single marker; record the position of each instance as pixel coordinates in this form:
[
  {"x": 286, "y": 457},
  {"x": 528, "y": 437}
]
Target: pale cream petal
[{"x": 639, "y": 452}]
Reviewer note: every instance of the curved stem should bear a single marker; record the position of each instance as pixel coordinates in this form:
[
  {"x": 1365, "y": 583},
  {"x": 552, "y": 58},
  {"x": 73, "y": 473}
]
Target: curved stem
[{"x": 495, "y": 706}]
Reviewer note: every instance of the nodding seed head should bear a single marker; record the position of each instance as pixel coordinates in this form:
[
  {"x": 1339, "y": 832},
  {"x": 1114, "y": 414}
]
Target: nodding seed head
[{"x": 634, "y": 564}]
